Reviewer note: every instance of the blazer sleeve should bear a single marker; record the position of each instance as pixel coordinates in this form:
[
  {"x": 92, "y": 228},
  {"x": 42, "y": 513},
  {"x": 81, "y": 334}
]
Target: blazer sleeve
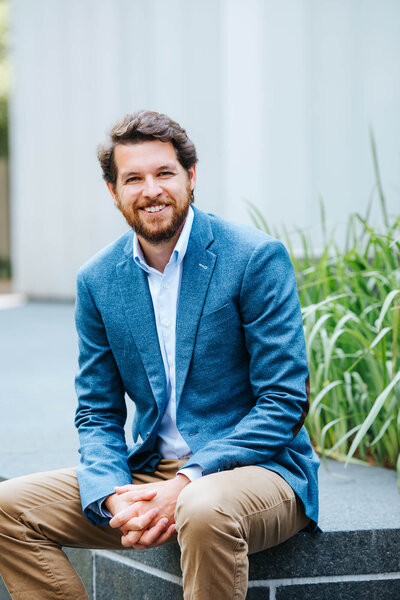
[
  {"x": 101, "y": 411},
  {"x": 278, "y": 368}
]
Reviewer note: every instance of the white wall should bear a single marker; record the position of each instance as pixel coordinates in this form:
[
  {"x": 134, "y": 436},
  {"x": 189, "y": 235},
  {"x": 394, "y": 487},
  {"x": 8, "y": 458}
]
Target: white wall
[{"x": 277, "y": 96}]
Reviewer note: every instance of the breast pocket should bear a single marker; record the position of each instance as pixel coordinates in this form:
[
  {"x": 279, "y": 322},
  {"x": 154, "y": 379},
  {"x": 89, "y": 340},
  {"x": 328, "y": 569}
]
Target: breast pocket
[{"x": 217, "y": 317}]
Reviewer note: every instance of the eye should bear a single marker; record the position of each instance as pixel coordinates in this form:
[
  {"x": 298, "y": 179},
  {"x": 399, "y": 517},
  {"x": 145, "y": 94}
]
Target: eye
[
  {"x": 166, "y": 174},
  {"x": 132, "y": 179}
]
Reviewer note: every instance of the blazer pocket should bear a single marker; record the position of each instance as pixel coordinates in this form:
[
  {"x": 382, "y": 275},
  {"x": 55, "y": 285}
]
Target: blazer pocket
[{"x": 216, "y": 317}]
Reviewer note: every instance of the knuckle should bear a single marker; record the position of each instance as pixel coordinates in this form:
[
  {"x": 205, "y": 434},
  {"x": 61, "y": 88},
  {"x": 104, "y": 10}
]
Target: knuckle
[
  {"x": 134, "y": 524},
  {"x": 132, "y": 540}
]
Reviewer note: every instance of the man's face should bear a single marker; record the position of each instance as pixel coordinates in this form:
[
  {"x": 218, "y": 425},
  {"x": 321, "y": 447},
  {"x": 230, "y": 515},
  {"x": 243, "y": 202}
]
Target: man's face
[{"x": 152, "y": 190}]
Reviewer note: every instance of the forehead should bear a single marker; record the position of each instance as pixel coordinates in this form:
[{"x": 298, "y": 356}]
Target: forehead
[{"x": 144, "y": 156}]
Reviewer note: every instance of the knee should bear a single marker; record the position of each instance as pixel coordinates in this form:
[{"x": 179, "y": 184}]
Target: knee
[
  {"x": 7, "y": 495},
  {"x": 8, "y": 508},
  {"x": 193, "y": 505},
  {"x": 200, "y": 512},
  {"x": 16, "y": 497}
]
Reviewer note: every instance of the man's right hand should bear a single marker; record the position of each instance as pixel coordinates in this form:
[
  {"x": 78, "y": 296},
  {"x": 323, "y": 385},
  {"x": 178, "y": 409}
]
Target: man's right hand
[{"x": 139, "y": 523}]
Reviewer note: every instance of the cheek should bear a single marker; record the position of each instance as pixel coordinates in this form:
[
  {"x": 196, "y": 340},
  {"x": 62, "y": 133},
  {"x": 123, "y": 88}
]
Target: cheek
[{"x": 128, "y": 198}]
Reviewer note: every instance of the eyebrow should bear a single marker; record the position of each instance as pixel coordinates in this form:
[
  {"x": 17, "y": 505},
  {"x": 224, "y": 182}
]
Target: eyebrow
[{"x": 166, "y": 167}]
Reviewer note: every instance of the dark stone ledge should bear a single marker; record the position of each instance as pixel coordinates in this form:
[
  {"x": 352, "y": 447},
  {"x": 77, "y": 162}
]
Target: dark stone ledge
[{"x": 349, "y": 590}]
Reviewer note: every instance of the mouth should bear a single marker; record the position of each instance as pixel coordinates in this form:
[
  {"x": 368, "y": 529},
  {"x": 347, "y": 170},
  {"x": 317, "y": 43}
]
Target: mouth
[{"x": 155, "y": 209}]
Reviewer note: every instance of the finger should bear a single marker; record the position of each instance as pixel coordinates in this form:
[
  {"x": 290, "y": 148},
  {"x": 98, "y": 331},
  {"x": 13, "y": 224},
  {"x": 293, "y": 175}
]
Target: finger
[
  {"x": 126, "y": 514},
  {"x": 138, "y": 523},
  {"x": 123, "y": 488},
  {"x": 165, "y": 537},
  {"x": 136, "y": 492},
  {"x": 151, "y": 535},
  {"x": 133, "y": 523},
  {"x": 130, "y": 538}
]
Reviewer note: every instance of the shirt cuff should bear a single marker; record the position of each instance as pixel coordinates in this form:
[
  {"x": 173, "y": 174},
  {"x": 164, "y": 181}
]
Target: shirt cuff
[
  {"x": 193, "y": 472},
  {"x": 99, "y": 507}
]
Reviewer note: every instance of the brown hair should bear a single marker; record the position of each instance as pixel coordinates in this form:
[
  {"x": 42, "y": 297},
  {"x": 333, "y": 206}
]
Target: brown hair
[{"x": 145, "y": 125}]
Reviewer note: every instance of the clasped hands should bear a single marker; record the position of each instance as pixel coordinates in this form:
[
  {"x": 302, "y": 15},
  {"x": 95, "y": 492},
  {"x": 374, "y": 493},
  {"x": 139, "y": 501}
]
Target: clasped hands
[{"x": 145, "y": 513}]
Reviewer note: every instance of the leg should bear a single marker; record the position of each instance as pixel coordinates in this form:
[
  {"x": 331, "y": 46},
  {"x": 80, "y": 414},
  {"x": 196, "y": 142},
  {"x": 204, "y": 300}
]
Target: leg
[
  {"x": 222, "y": 518},
  {"x": 39, "y": 514}
]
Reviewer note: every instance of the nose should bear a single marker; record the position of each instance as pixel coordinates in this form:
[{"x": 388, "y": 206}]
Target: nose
[{"x": 151, "y": 187}]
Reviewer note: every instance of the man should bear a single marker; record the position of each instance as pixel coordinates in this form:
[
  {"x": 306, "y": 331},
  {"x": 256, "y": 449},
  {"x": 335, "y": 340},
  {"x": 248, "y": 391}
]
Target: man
[{"x": 197, "y": 322}]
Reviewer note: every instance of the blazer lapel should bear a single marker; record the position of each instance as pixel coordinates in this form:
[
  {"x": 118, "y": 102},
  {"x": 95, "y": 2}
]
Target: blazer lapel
[
  {"x": 198, "y": 266},
  {"x": 139, "y": 313}
]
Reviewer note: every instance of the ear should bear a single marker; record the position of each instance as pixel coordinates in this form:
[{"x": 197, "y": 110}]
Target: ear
[
  {"x": 112, "y": 192},
  {"x": 192, "y": 177}
]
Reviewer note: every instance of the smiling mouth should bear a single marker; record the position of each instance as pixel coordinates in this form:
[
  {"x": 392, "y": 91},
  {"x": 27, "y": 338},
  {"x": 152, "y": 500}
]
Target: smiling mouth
[{"x": 155, "y": 209}]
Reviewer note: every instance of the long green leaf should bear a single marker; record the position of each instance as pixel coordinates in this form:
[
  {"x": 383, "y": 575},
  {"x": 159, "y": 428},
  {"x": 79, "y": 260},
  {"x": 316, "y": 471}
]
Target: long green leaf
[
  {"x": 322, "y": 395},
  {"x": 379, "y": 402},
  {"x": 378, "y": 177},
  {"x": 380, "y": 335},
  {"x": 388, "y": 300}
]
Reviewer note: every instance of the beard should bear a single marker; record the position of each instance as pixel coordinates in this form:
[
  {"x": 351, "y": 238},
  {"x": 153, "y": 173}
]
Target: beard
[{"x": 151, "y": 229}]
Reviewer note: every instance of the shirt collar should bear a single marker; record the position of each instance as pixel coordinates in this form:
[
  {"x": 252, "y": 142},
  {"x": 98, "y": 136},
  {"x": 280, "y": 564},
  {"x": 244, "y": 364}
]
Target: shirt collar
[{"x": 178, "y": 253}]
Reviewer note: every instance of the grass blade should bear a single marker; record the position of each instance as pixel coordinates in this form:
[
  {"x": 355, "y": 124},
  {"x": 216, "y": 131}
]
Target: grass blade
[{"x": 371, "y": 416}]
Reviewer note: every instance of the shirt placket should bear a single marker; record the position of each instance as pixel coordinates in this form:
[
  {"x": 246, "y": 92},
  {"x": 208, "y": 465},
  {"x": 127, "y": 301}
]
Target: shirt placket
[{"x": 167, "y": 324}]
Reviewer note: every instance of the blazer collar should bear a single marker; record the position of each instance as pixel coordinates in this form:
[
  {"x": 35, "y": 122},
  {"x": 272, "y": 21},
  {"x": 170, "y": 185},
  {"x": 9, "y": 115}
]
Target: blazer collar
[{"x": 198, "y": 266}]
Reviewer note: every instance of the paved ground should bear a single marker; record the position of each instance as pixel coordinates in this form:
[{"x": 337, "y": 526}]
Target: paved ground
[
  {"x": 38, "y": 354},
  {"x": 37, "y": 363}
]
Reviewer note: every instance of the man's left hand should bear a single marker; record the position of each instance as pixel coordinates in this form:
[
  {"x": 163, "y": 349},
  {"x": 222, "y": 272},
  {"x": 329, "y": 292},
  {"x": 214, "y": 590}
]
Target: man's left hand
[{"x": 162, "y": 527}]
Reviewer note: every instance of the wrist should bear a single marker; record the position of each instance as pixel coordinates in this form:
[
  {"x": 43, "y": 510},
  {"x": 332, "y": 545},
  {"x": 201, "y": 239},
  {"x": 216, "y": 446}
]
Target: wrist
[
  {"x": 182, "y": 480},
  {"x": 110, "y": 502}
]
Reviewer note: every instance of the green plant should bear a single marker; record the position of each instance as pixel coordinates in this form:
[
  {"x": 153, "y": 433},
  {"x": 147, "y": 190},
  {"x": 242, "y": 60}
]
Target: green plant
[{"x": 351, "y": 310}]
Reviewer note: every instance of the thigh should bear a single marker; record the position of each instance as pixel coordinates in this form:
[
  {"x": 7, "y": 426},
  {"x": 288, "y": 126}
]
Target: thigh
[
  {"x": 260, "y": 503},
  {"x": 48, "y": 504}
]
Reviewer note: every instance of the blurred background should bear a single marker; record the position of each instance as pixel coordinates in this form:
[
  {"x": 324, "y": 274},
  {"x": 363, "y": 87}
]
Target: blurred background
[{"x": 279, "y": 98}]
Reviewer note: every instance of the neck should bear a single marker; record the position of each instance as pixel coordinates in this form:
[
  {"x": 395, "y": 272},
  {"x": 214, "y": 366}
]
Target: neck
[{"x": 157, "y": 254}]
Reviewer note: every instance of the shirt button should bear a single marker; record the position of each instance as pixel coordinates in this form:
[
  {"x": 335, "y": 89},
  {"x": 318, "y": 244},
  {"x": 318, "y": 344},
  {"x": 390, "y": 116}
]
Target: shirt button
[
  {"x": 167, "y": 324},
  {"x": 165, "y": 286}
]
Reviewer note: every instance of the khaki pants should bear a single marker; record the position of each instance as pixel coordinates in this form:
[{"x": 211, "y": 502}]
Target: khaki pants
[{"x": 220, "y": 519}]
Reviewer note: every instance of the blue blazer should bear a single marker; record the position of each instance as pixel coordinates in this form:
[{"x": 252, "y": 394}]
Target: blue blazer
[{"x": 241, "y": 365}]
